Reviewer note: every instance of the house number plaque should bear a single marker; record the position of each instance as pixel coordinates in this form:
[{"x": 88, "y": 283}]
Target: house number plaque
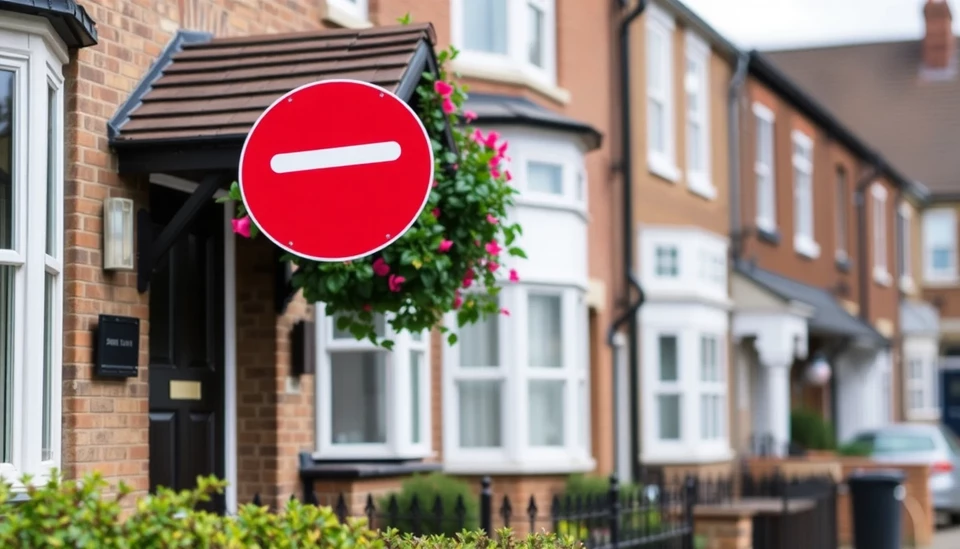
[{"x": 118, "y": 346}]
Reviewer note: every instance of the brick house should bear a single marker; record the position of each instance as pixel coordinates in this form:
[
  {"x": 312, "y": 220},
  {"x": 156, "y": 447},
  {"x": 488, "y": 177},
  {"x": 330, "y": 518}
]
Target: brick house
[
  {"x": 919, "y": 76},
  {"x": 146, "y": 112}
]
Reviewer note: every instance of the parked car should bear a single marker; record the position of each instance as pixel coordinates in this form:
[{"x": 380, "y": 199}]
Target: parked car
[{"x": 935, "y": 445}]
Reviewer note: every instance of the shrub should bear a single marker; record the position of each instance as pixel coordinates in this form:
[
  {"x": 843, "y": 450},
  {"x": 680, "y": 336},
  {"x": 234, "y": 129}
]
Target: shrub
[
  {"x": 810, "y": 431},
  {"x": 72, "y": 514},
  {"x": 855, "y": 449},
  {"x": 426, "y": 489},
  {"x": 638, "y": 511}
]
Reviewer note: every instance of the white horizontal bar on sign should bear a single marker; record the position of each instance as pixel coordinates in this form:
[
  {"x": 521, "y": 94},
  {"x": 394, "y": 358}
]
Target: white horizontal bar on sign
[{"x": 335, "y": 157}]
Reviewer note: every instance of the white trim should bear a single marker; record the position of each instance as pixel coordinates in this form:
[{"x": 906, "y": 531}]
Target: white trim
[
  {"x": 947, "y": 216},
  {"x": 804, "y": 241},
  {"x": 350, "y": 14},
  {"x": 663, "y": 163},
  {"x": 697, "y": 53},
  {"x": 924, "y": 351},
  {"x": 230, "y": 356},
  {"x": 765, "y": 170},
  {"x": 905, "y": 247},
  {"x": 513, "y": 66},
  {"x": 701, "y": 265},
  {"x": 840, "y": 214},
  {"x": 878, "y": 240}
]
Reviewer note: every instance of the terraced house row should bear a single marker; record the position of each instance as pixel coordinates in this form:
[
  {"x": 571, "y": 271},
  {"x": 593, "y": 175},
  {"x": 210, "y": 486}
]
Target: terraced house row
[{"x": 709, "y": 246}]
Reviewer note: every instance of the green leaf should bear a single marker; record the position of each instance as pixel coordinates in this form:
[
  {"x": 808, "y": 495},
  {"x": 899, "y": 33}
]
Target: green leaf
[
  {"x": 452, "y": 339},
  {"x": 517, "y": 252},
  {"x": 405, "y": 19}
]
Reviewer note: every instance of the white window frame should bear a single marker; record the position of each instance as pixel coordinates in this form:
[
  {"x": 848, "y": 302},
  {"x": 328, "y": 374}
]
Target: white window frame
[
  {"x": 514, "y": 66},
  {"x": 699, "y": 180},
  {"x": 662, "y": 163},
  {"x": 804, "y": 241},
  {"x": 516, "y": 455},
  {"x": 399, "y": 428},
  {"x": 765, "y": 173},
  {"x": 878, "y": 239},
  {"x": 29, "y": 47},
  {"x": 527, "y": 148},
  {"x": 930, "y": 274},
  {"x": 713, "y": 388},
  {"x": 842, "y": 205},
  {"x": 924, "y": 352},
  {"x": 701, "y": 264},
  {"x": 905, "y": 247},
  {"x": 351, "y": 14},
  {"x": 689, "y": 322}
]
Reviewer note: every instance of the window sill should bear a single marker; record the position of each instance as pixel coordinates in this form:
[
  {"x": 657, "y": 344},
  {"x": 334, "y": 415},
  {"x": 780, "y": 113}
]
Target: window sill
[
  {"x": 806, "y": 247},
  {"x": 945, "y": 281},
  {"x": 768, "y": 234},
  {"x": 907, "y": 285},
  {"x": 503, "y": 70},
  {"x": 555, "y": 204},
  {"x": 370, "y": 469},
  {"x": 682, "y": 455},
  {"x": 559, "y": 466},
  {"x": 662, "y": 168},
  {"x": 882, "y": 277},
  {"x": 702, "y": 187},
  {"x": 932, "y": 414},
  {"x": 341, "y": 17}
]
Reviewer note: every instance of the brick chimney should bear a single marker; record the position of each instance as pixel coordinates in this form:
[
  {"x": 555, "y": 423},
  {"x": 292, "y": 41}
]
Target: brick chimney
[{"x": 939, "y": 44}]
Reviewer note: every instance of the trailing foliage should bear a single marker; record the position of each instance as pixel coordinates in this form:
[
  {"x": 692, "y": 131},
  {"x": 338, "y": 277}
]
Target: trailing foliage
[
  {"x": 450, "y": 258},
  {"x": 82, "y": 515},
  {"x": 426, "y": 489}
]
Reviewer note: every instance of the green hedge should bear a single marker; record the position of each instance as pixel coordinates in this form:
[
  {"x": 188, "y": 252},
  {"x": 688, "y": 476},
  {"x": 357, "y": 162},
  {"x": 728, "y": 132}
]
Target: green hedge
[
  {"x": 809, "y": 430},
  {"x": 84, "y": 515},
  {"x": 427, "y": 488}
]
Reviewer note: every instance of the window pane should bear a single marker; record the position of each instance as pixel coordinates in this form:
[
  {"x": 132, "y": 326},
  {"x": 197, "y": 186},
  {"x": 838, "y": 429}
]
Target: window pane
[
  {"x": 668, "y": 358},
  {"x": 941, "y": 258},
  {"x": 6, "y": 158},
  {"x": 655, "y": 126},
  {"x": 668, "y": 407},
  {"x": 416, "y": 360},
  {"x": 545, "y": 178},
  {"x": 582, "y": 415},
  {"x": 667, "y": 261},
  {"x": 695, "y": 146},
  {"x": 7, "y": 323},
  {"x": 480, "y": 413},
  {"x": 535, "y": 37},
  {"x": 379, "y": 325},
  {"x": 53, "y": 198},
  {"x": 416, "y": 336},
  {"x": 544, "y": 331},
  {"x": 546, "y": 413},
  {"x": 485, "y": 25},
  {"x": 358, "y": 397},
  {"x": 655, "y": 61},
  {"x": 50, "y": 330},
  {"x": 480, "y": 344}
]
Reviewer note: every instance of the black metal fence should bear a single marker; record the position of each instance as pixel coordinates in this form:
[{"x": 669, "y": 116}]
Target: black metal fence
[{"x": 797, "y": 513}]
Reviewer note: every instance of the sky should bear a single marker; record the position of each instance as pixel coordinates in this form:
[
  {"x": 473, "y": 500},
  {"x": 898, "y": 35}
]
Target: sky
[{"x": 776, "y": 24}]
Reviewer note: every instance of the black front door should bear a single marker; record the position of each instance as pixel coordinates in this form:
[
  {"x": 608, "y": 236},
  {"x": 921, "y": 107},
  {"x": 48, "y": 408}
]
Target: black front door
[
  {"x": 186, "y": 350},
  {"x": 950, "y": 399}
]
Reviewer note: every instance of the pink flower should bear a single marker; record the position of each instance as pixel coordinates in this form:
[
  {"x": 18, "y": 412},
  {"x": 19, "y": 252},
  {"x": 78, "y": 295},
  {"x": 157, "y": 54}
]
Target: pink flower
[
  {"x": 493, "y": 248},
  {"x": 495, "y": 173},
  {"x": 502, "y": 149},
  {"x": 394, "y": 282},
  {"x": 445, "y": 246},
  {"x": 457, "y": 300},
  {"x": 492, "y": 220},
  {"x": 470, "y": 115},
  {"x": 491, "y": 140},
  {"x": 448, "y": 106},
  {"x": 436, "y": 213},
  {"x": 514, "y": 277},
  {"x": 367, "y": 308},
  {"x": 468, "y": 279},
  {"x": 456, "y": 166},
  {"x": 442, "y": 88},
  {"x": 241, "y": 226},
  {"x": 380, "y": 267},
  {"x": 495, "y": 161},
  {"x": 493, "y": 266},
  {"x": 509, "y": 177},
  {"x": 435, "y": 183},
  {"x": 504, "y": 312}
]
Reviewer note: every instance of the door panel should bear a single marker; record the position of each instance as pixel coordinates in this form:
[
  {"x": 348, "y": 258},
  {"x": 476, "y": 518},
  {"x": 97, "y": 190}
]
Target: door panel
[
  {"x": 186, "y": 350},
  {"x": 950, "y": 388}
]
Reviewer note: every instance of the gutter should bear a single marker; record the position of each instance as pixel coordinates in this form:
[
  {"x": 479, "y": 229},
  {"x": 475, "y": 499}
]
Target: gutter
[
  {"x": 629, "y": 317},
  {"x": 734, "y": 138},
  {"x": 863, "y": 269}
]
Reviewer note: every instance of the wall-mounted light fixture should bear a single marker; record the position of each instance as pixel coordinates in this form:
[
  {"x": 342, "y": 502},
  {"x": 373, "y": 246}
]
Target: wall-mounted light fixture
[
  {"x": 118, "y": 234},
  {"x": 818, "y": 371}
]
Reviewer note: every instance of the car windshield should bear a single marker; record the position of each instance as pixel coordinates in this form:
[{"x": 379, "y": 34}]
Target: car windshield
[
  {"x": 952, "y": 441},
  {"x": 901, "y": 443}
]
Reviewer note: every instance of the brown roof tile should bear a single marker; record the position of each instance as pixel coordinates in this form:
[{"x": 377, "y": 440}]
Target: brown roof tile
[
  {"x": 878, "y": 90},
  {"x": 217, "y": 88}
]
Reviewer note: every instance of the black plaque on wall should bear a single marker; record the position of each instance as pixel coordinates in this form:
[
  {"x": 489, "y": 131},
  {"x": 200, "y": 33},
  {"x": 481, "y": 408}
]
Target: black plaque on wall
[{"x": 118, "y": 346}]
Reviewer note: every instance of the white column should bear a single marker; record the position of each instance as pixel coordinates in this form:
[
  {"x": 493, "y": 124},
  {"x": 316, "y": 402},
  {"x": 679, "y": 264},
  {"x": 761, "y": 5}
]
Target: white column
[{"x": 776, "y": 384}]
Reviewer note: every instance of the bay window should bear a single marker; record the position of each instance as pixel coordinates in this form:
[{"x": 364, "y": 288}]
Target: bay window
[
  {"x": 697, "y": 87},
  {"x": 764, "y": 169},
  {"x": 518, "y": 386},
  {"x": 803, "y": 237},
  {"x": 881, "y": 272},
  {"x": 507, "y": 38},
  {"x": 371, "y": 403},
  {"x": 31, "y": 247},
  {"x": 940, "y": 245}
]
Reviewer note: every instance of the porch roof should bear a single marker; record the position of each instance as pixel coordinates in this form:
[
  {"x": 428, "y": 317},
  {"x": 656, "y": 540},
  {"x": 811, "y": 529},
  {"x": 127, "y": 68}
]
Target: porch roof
[
  {"x": 206, "y": 93},
  {"x": 919, "y": 318},
  {"x": 510, "y": 110},
  {"x": 829, "y": 317}
]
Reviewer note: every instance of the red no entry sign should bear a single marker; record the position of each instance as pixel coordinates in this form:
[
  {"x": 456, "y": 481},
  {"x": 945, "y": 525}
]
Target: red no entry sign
[{"x": 336, "y": 170}]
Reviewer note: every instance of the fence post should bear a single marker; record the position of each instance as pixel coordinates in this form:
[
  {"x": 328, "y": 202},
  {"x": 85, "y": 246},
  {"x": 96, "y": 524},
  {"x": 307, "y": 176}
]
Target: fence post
[
  {"x": 486, "y": 506},
  {"x": 689, "y": 501},
  {"x": 614, "y": 510}
]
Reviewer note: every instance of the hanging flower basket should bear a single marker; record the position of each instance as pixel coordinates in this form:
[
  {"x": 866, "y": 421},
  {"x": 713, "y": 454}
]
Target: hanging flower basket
[{"x": 450, "y": 259}]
